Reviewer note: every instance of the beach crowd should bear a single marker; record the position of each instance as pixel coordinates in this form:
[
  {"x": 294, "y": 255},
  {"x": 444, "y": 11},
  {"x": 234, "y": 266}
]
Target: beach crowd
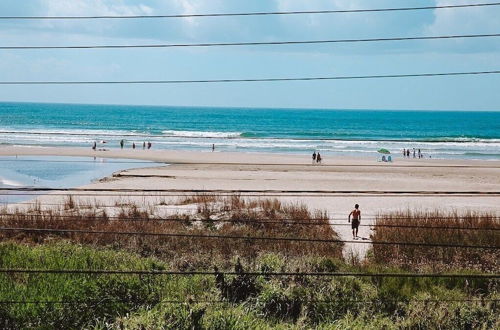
[
  {"x": 407, "y": 153},
  {"x": 145, "y": 145}
]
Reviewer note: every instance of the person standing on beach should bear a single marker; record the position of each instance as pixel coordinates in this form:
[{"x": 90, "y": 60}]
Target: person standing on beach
[
  {"x": 314, "y": 157},
  {"x": 356, "y": 219},
  {"x": 122, "y": 143},
  {"x": 149, "y": 145},
  {"x": 404, "y": 153},
  {"x": 143, "y": 145},
  {"x": 133, "y": 145},
  {"x": 318, "y": 158},
  {"x": 419, "y": 154},
  {"x": 408, "y": 153},
  {"x": 414, "y": 153},
  {"x": 213, "y": 147},
  {"x": 94, "y": 146}
]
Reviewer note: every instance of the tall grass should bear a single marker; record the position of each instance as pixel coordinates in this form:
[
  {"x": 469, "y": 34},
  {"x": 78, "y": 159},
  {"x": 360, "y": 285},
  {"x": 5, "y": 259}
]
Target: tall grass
[
  {"x": 472, "y": 229},
  {"x": 92, "y": 294},
  {"x": 242, "y": 302},
  {"x": 243, "y": 217}
]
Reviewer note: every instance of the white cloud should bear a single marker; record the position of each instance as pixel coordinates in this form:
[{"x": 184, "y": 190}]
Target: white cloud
[
  {"x": 464, "y": 20},
  {"x": 474, "y": 20},
  {"x": 93, "y": 7}
]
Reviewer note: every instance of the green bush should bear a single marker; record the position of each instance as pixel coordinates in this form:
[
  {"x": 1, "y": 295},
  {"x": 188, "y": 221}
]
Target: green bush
[{"x": 92, "y": 297}]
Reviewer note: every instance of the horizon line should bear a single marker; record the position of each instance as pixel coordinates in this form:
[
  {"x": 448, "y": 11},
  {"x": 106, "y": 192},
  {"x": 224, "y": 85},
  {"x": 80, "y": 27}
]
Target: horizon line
[{"x": 247, "y": 107}]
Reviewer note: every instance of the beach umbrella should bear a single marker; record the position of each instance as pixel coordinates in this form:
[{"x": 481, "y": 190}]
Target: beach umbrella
[{"x": 384, "y": 151}]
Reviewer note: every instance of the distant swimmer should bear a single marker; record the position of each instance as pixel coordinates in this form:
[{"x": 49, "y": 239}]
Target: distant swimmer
[
  {"x": 314, "y": 157},
  {"x": 122, "y": 143},
  {"x": 356, "y": 219}
]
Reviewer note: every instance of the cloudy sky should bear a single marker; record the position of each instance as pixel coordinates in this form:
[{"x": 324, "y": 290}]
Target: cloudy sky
[{"x": 472, "y": 93}]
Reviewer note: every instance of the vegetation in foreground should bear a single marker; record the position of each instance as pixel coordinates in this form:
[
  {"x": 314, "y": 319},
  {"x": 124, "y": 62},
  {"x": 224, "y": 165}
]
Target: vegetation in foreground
[
  {"x": 480, "y": 229},
  {"x": 240, "y": 302},
  {"x": 226, "y": 216}
]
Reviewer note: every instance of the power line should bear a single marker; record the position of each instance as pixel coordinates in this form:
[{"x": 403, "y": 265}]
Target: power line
[
  {"x": 308, "y": 12},
  {"x": 258, "y": 43},
  {"x": 153, "y": 162},
  {"x": 219, "y": 192},
  {"x": 285, "y": 222},
  {"x": 144, "y": 302},
  {"x": 203, "y": 81},
  {"x": 212, "y": 273},
  {"x": 235, "y": 237},
  {"x": 278, "y": 220},
  {"x": 270, "y": 194}
]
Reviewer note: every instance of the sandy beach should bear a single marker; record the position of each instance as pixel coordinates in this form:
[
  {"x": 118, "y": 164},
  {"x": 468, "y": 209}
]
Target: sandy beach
[{"x": 334, "y": 186}]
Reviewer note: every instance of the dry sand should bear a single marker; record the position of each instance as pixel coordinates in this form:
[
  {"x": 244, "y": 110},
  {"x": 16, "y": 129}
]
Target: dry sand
[{"x": 378, "y": 187}]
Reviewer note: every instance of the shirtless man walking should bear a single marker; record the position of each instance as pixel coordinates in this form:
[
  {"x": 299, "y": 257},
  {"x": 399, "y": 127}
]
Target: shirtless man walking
[{"x": 356, "y": 219}]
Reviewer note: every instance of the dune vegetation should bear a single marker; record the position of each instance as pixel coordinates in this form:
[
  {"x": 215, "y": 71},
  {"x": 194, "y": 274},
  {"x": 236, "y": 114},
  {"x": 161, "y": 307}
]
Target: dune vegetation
[{"x": 251, "y": 296}]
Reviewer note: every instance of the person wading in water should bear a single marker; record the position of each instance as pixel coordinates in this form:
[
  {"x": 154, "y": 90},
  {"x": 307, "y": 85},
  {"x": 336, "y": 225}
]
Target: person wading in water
[{"x": 356, "y": 219}]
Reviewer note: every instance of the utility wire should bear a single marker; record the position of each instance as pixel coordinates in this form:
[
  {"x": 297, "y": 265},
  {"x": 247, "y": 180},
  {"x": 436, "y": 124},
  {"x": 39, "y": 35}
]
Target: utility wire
[
  {"x": 212, "y": 273},
  {"x": 308, "y": 12},
  {"x": 270, "y": 194},
  {"x": 111, "y": 301},
  {"x": 218, "y": 192},
  {"x": 285, "y": 222},
  {"x": 203, "y": 81},
  {"x": 235, "y": 237},
  {"x": 163, "y": 162},
  {"x": 313, "y": 220},
  {"x": 258, "y": 43}
]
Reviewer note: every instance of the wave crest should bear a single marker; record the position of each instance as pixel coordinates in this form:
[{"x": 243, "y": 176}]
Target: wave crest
[{"x": 201, "y": 134}]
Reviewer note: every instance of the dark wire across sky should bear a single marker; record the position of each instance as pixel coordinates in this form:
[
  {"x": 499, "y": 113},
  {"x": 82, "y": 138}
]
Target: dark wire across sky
[
  {"x": 240, "y": 80},
  {"x": 269, "y": 13},
  {"x": 256, "y": 43}
]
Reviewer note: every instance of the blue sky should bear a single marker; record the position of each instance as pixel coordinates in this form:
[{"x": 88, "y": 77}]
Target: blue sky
[{"x": 461, "y": 93}]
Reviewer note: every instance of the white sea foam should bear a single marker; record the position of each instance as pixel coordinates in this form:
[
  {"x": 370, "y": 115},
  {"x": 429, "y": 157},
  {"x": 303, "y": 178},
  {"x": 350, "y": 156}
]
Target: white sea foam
[
  {"x": 9, "y": 183},
  {"x": 179, "y": 139},
  {"x": 69, "y": 132},
  {"x": 201, "y": 134}
]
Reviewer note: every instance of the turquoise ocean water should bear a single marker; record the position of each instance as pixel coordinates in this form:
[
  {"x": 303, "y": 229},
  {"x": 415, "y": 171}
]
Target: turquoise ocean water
[{"x": 439, "y": 134}]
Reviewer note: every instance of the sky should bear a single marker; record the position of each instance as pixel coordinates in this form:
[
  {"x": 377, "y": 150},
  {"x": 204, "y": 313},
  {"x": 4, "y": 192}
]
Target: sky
[{"x": 441, "y": 93}]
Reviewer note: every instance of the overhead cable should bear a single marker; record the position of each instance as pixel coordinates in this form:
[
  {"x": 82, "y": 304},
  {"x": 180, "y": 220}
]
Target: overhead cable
[
  {"x": 241, "y": 80},
  {"x": 51, "y": 218},
  {"x": 236, "y": 237},
  {"x": 257, "y": 43},
  {"x": 212, "y": 273},
  {"x": 268, "y": 13}
]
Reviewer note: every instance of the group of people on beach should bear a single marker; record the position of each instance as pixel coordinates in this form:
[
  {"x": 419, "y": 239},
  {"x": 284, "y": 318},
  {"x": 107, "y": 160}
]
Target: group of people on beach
[
  {"x": 122, "y": 145},
  {"x": 316, "y": 158},
  {"x": 416, "y": 153},
  {"x": 144, "y": 145}
]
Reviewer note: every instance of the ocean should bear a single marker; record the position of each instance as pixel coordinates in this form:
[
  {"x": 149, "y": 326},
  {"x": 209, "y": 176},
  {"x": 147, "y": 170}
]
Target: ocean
[{"x": 439, "y": 134}]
